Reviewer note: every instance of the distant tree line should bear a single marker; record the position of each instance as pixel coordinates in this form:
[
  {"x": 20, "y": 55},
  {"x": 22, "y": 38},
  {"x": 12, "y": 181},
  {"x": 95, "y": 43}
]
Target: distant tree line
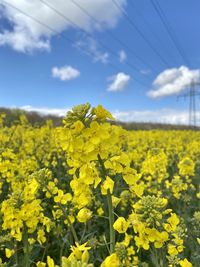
[
  {"x": 37, "y": 119},
  {"x": 154, "y": 126},
  {"x": 34, "y": 118}
]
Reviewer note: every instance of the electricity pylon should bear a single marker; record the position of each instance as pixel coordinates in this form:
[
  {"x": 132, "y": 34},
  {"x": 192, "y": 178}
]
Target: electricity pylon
[{"x": 192, "y": 94}]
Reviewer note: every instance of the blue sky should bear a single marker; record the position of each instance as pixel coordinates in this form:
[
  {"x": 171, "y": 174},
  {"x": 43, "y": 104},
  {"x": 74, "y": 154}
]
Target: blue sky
[{"x": 42, "y": 70}]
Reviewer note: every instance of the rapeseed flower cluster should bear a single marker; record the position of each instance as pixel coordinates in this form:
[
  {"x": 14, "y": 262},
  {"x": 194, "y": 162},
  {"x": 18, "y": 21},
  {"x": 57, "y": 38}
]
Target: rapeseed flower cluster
[{"x": 93, "y": 194}]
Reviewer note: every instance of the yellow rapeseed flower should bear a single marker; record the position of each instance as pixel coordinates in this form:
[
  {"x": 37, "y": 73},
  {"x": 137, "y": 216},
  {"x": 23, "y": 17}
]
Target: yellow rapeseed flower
[
  {"x": 121, "y": 225},
  {"x": 111, "y": 261},
  {"x": 108, "y": 185},
  {"x": 9, "y": 252},
  {"x": 84, "y": 215},
  {"x": 185, "y": 263}
]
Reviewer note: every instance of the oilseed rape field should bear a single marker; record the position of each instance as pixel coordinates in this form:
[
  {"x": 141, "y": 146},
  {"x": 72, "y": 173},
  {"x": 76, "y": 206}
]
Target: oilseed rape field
[{"x": 94, "y": 194}]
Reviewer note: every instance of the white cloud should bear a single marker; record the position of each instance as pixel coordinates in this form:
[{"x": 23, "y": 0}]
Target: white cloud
[
  {"x": 119, "y": 82},
  {"x": 173, "y": 81},
  {"x": 20, "y": 41},
  {"x": 90, "y": 47},
  {"x": 27, "y": 35},
  {"x": 122, "y": 56},
  {"x": 60, "y": 112},
  {"x": 171, "y": 116},
  {"x": 65, "y": 73}
]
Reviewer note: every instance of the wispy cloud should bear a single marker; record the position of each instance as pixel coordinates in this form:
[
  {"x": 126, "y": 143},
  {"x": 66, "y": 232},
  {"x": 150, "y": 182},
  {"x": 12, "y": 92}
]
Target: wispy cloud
[
  {"x": 173, "y": 81},
  {"x": 90, "y": 47},
  {"x": 145, "y": 72},
  {"x": 27, "y": 35},
  {"x": 65, "y": 73},
  {"x": 118, "y": 82},
  {"x": 122, "y": 56}
]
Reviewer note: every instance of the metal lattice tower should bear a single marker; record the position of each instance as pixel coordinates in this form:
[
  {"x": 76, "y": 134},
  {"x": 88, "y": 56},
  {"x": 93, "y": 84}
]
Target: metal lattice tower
[{"x": 192, "y": 94}]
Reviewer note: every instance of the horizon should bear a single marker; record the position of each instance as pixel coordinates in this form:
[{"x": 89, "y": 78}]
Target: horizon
[{"x": 136, "y": 117}]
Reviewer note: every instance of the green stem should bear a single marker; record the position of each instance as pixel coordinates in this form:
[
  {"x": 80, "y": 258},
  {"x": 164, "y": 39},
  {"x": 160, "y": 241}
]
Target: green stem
[
  {"x": 111, "y": 222},
  {"x": 26, "y": 247},
  {"x": 106, "y": 244},
  {"x": 72, "y": 229},
  {"x": 45, "y": 249},
  {"x": 110, "y": 209},
  {"x": 155, "y": 257},
  {"x": 84, "y": 231},
  {"x": 61, "y": 251},
  {"x": 101, "y": 216},
  {"x": 16, "y": 252}
]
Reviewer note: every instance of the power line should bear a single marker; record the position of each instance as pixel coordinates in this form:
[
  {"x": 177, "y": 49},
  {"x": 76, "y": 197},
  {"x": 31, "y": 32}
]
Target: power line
[
  {"x": 169, "y": 30},
  {"x": 130, "y": 65},
  {"x": 192, "y": 94},
  {"x": 62, "y": 35},
  {"x": 49, "y": 28},
  {"x": 148, "y": 25},
  {"x": 85, "y": 32},
  {"x": 113, "y": 36},
  {"x": 131, "y": 22}
]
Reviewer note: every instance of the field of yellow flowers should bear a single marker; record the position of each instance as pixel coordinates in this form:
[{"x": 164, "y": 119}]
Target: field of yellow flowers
[{"x": 93, "y": 194}]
